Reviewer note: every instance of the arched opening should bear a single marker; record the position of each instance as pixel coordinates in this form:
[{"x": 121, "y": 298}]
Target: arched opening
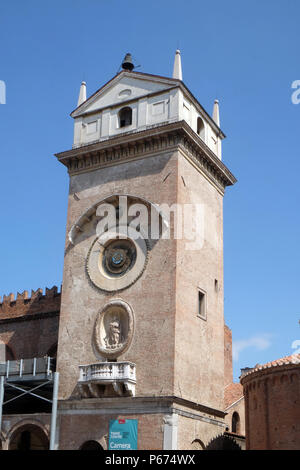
[
  {"x": 200, "y": 128},
  {"x": 29, "y": 437},
  {"x": 197, "y": 445},
  {"x": 125, "y": 117},
  {"x": 91, "y": 445},
  {"x": 235, "y": 427}
]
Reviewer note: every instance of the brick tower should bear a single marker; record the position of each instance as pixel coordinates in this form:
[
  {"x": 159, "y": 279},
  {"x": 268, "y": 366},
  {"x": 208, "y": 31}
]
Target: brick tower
[{"x": 141, "y": 332}]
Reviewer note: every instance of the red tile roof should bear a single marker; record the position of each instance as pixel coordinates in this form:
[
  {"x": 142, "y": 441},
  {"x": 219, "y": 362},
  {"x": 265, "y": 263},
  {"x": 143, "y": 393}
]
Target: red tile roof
[
  {"x": 287, "y": 360},
  {"x": 232, "y": 393}
]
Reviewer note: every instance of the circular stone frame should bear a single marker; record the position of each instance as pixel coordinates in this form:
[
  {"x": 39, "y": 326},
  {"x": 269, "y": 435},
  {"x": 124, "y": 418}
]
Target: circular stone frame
[
  {"x": 95, "y": 264},
  {"x": 126, "y": 318}
]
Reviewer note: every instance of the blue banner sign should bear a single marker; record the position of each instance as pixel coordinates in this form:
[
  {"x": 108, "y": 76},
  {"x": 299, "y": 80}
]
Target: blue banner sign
[{"x": 123, "y": 434}]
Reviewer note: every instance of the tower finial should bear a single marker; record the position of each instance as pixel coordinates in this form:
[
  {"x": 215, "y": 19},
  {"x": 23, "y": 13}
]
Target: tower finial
[
  {"x": 177, "y": 69},
  {"x": 82, "y": 94},
  {"x": 216, "y": 113}
]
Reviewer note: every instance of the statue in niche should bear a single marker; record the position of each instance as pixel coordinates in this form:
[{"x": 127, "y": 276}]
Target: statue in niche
[
  {"x": 113, "y": 328},
  {"x": 113, "y": 338}
]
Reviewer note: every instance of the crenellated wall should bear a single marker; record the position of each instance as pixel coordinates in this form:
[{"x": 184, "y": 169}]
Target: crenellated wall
[{"x": 29, "y": 325}]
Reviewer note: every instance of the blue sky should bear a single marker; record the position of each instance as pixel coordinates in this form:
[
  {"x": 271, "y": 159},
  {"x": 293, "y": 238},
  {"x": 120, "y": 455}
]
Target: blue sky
[{"x": 243, "y": 53}]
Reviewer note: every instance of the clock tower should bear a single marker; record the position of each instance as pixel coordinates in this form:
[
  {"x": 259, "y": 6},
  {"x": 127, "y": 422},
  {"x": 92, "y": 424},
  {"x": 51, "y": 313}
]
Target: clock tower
[{"x": 141, "y": 333}]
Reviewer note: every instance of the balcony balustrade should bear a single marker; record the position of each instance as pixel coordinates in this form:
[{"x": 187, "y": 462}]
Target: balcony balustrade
[{"x": 121, "y": 375}]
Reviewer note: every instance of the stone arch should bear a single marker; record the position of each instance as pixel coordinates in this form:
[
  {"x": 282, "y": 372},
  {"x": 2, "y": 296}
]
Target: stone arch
[
  {"x": 201, "y": 128},
  {"x": 125, "y": 116},
  {"x": 113, "y": 199},
  {"x": 284, "y": 379},
  {"x": 91, "y": 445},
  {"x": 293, "y": 378},
  {"x": 223, "y": 442},
  {"x": 197, "y": 444},
  {"x": 28, "y": 435},
  {"x": 236, "y": 423}
]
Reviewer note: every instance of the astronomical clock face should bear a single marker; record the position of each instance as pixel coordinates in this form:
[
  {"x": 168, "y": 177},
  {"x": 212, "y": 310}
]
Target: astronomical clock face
[
  {"x": 114, "y": 263},
  {"x": 118, "y": 257}
]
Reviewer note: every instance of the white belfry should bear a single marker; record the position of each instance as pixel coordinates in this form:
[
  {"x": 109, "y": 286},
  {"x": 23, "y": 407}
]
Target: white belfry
[
  {"x": 82, "y": 94},
  {"x": 216, "y": 113},
  {"x": 177, "y": 70}
]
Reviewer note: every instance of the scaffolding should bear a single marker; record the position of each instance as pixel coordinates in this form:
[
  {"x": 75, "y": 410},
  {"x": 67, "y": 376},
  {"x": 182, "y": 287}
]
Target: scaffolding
[{"x": 30, "y": 377}]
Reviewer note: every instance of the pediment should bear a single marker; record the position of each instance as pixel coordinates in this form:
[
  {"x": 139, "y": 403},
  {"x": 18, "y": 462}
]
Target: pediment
[{"x": 123, "y": 87}]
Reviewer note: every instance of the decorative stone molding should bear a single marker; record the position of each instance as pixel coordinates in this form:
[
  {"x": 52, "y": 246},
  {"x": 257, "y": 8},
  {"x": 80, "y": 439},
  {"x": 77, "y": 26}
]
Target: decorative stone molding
[
  {"x": 113, "y": 329},
  {"x": 171, "y": 420},
  {"x": 90, "y": 214},
  {"x": 136, "y": 145},
  {"x": 170, "y": 432}
]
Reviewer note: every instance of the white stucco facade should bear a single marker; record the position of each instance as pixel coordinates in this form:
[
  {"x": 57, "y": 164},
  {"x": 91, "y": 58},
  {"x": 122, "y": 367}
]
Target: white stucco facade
[{"x": 152, "y": 101}]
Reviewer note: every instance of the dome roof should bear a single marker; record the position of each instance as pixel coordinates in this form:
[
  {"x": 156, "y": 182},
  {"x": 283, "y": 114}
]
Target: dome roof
[{"x": 287, "y": 360}]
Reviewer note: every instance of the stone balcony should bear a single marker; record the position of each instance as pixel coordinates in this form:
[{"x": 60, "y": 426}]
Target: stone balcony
[{"x": 107, "y": 379}]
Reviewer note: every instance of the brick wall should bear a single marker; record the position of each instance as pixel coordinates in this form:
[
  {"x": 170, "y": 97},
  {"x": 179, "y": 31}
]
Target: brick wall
[
  {"x": 272, "y": 408},
  {"x": 29, "y": 325},
  {"x": 228, "y": 374}
]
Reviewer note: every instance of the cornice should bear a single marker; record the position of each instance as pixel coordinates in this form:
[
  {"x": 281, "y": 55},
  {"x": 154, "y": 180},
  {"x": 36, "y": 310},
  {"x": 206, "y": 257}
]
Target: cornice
[
  {"x": 154, "y": 140},
  {"x": 29, "y": 317},
  {"x": 139, "y": 404}
]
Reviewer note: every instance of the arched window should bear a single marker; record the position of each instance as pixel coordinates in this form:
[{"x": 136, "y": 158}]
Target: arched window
[
  {"x": 91, "y": 445},
  {"x": 235, "y": 423},
  {"x": 29, "y": 437},
  {"x": 125, "y": 117},
  {"x": 200, "y": 128}
]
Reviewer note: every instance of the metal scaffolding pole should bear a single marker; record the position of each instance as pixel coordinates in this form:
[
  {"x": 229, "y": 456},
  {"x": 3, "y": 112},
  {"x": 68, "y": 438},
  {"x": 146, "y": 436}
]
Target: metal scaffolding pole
[
  {"x": 1, "y": 399},
  {"x": 54, "y": 412}
]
